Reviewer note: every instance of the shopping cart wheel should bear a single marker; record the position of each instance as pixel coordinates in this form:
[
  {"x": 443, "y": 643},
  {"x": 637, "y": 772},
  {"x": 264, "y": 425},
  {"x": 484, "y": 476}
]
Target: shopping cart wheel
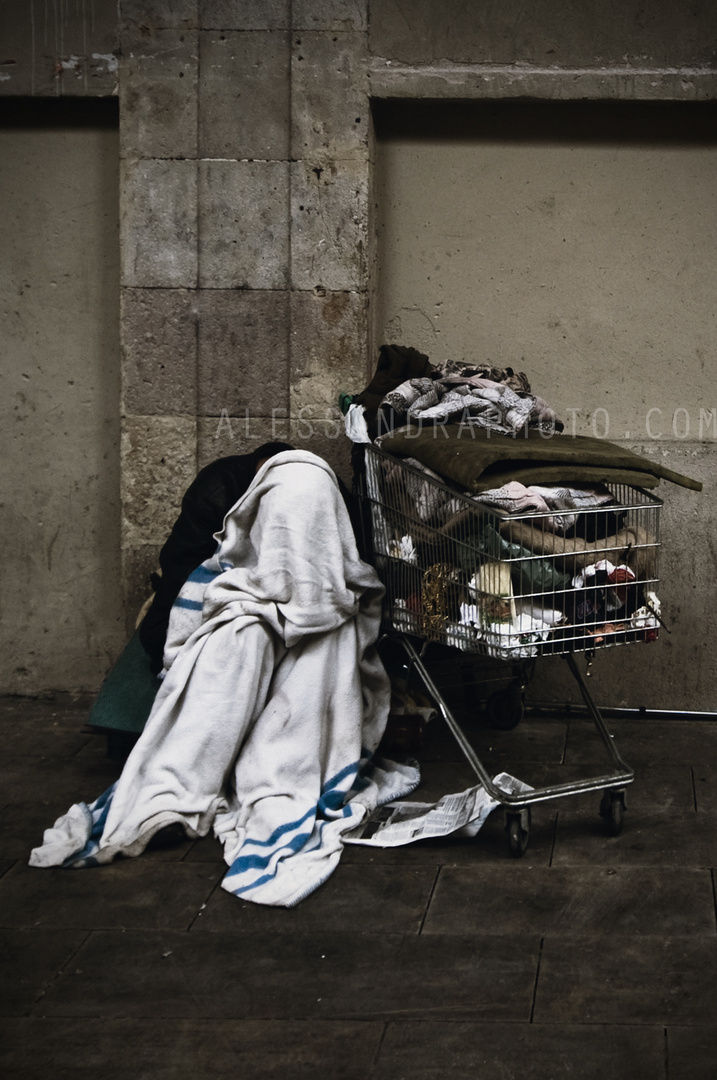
[
  {"x": 517, "y": 826},
  {"x": 505, "y": 708},
  {"x": 612, "y": 810}
]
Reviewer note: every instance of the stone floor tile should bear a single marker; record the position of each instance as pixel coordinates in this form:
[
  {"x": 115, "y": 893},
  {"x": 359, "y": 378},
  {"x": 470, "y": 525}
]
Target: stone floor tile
[
  {"x": 436, "y": 1050},
  {"x": 318, "y": 976},
  {"x": 649, "y": 838},
  {"x": 34, "y": 741},
  {"x": 38, "y": 727},
  {"x": 64, "y": 706},
  {"x": 692, "y": 1053},
  {"x": 370, "y": 899},
  {"x": 187, "y": 1049},
  {"x": 206, "y": 849},
  {"x": 519, "y": 899},
  {"x": 79, "y": 778},
  {"x": 622, "y": 980},
  {"x": 705, "y": 781},
  {"x": 651, "y": 742},
  {"x": 533, "y": 741},
  {"x": 29, "y": 962},
  {"x": 22, "y": 826},
  {"x": 667, "y": 788},
  {"x": 132, "y": 894}
]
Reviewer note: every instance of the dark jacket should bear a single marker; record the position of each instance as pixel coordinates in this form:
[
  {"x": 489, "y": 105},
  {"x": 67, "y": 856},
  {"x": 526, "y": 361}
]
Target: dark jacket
[{"x": 206, "y": 502}]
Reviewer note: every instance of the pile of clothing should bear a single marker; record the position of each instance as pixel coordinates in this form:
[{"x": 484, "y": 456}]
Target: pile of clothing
[{"x": 408, "y": 388}]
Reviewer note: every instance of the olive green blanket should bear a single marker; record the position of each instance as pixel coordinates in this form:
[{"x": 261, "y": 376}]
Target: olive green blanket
[{"x": 478, "y": 460}]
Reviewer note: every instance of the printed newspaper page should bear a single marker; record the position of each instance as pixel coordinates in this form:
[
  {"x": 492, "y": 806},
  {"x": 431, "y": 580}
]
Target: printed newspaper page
[{"x": 406, "y": 822}]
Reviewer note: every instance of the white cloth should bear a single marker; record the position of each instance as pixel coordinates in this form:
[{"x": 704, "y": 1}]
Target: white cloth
[{"x": 273, "y": 701}]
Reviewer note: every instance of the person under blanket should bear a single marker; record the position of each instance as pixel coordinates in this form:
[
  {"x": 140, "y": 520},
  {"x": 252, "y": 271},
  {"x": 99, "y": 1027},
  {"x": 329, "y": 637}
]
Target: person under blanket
[
  {"x": 205, "y": 503},
  {"x": 272, "y": 703}
]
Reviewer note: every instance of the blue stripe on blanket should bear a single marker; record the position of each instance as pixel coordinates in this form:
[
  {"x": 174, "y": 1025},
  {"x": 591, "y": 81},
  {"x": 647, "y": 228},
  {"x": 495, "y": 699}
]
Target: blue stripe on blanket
[
  {"x": 259, "y": 862},
  {"x": 97, "y": 813},
  {"x": 329, "y": 803},
  {"x": 202, "y": 574},
  {"x": 193, "y": 605},
  {"x": 282, "y": 830},
  {"x": 331, "y": 795},
  {"x": 330, "y": 799}
]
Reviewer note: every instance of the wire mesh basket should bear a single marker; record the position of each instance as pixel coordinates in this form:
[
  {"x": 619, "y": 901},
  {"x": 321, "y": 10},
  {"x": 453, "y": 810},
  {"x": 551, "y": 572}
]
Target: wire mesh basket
[{"x": 510, "y": 585}]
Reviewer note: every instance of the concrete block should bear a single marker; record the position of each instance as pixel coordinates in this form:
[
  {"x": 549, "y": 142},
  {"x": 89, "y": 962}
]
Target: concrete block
[
  {"x": 329, "y": 96},
  {"x": 159, "y": 458},
  {"x": 158, "y": 95},
  {"x": 68, "y": 51},
  {"x": 158, "y": 14},
  {"x": 159, "y": 344},
  {"x": 247, "y": 15},
  {"x": 329, "y": 206},
  {"x": 328, "y": 351},
  {"x": 329, "y": 15},
  {"x": 158, "y": 224},
  {"x": 243, "y": 352},
  {"x": 138, "y": 564},
  {"x": 622, "y": 32},
  {"x": 244, "y": 94},
  {"x": 221, "y": 436},
  {"x": 328, "y": 440},
  {"x": 243, "y": 224}
]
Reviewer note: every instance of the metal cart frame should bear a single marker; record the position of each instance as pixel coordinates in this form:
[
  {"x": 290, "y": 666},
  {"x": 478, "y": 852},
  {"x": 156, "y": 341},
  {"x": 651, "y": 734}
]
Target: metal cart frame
[{"x": 427, "y": 543}]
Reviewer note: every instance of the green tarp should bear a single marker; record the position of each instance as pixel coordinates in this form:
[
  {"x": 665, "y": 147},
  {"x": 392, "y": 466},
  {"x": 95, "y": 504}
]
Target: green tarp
[{"x": 127, "y": 694}]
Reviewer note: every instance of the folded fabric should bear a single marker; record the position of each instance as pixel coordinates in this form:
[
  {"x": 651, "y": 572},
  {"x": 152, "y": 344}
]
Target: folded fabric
[
  {"x": 515, "y": 498},
  {"x": 632, "y": 546},
  {"x": 472, "y": 399},
  {"x": 516, "y": 380},
  {"x": 494, "y": 406},
  {"x": 413, "y": 396},
  {"x": 396, "y": 364},
  {"x": 478, "y": 460},
  {"x": 540, "y": 414}
]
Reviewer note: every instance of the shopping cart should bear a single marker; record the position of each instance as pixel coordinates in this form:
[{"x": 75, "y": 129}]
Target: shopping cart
[{"x": 513, "y": 587}]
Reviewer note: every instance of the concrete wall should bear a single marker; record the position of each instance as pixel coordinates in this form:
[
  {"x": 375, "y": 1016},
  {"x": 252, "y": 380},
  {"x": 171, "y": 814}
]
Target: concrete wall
[
  {"x": 575, "y": 244},
  {"x": 247, "y": 225},
  {"x": 60, "y": 582}
]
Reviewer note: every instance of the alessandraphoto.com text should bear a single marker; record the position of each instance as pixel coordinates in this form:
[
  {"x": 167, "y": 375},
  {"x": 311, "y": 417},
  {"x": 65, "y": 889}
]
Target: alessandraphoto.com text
[{"x": 697, "y": 424}]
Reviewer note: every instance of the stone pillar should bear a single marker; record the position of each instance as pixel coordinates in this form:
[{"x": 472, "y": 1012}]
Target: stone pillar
[
  {"x": 159, "y": 267},
  {"x": 330, "y": 122},
  {"x": 245, "y": 134},
  {"x": 244, "y": 109}
]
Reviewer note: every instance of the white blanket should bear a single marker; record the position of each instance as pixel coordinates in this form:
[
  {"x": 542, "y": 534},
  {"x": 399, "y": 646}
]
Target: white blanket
[{"x": 272, "y": 704}]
